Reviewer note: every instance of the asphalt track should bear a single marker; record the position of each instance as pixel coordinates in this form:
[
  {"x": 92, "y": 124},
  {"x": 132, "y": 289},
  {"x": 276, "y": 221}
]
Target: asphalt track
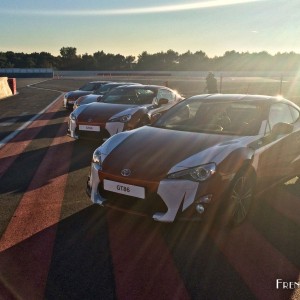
[{"x": 56, "y": 245}]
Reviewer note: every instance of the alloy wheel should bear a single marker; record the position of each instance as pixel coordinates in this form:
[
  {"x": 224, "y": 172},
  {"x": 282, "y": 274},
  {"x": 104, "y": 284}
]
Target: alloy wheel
[{"x": 241, "y": 198}]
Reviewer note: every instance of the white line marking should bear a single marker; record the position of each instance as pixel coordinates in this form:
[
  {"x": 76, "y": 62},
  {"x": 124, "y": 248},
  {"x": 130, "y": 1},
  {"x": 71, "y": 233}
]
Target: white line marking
[
  {"x": 28, "y": 85},
  {"x": 10, "y": 122},
  {"x": 38, "y": 88},
  {"x": 17, "y": 131}
]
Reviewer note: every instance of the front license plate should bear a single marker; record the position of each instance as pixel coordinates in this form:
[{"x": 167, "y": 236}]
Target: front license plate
[
  {"x": 89, "y": 128},
  {"x": 71, "y": 102},
  {"x": 125, "y": 189}
]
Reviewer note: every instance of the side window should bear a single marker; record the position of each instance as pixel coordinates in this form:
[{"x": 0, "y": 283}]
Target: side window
[
  {"x": 295, "y": 113},
  {"x": 185, "y": 113},
  {"x": 162, "y": 93},
  {"x": 280, "y": 112},
  {"x": 145, "y": 96}
]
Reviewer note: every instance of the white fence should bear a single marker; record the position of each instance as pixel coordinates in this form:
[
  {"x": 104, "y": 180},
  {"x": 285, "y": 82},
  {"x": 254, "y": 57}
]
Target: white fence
[
  {"x": 27, "y": 73},
  {"x": 270, "y": 74}
]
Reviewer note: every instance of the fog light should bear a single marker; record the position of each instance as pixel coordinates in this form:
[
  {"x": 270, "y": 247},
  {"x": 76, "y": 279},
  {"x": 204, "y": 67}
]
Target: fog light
[{"x": 200, "y": 208}]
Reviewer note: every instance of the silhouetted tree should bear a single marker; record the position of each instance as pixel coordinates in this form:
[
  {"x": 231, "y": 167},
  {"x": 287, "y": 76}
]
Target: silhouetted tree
[
  {"x": 160, "y": 61},
  {"x": 69, "y": 58},
  {"x": 87, "y": 62}
]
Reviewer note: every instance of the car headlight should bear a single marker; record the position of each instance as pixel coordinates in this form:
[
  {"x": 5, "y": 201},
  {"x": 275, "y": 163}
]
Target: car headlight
[
  {"x": 122, "y": 119},
  {"x": 199, "y": 173},
  {"x": 73, "y": 116},
  {"x": 97, "y": 157}
]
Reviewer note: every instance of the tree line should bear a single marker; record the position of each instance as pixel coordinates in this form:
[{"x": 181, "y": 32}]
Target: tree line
[{"x": 161, "y": 61}]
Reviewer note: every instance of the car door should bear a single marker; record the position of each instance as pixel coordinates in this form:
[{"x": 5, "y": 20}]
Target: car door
[{"x": 276, "y": 153}]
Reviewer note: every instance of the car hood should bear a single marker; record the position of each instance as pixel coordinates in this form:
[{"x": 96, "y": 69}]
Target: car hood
[
  {"x": 151, "y": 153},
  {"x": 87, "y": 99},
  {"x": 102, "y": 112}
]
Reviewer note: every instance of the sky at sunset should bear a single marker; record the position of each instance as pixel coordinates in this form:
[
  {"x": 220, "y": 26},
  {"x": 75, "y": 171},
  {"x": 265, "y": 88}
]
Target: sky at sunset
[{"x": 133, "y": 26}]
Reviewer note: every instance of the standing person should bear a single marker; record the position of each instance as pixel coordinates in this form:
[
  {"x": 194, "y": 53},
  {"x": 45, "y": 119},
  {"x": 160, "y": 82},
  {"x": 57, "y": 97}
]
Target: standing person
[{"x": 211, "y": 84}]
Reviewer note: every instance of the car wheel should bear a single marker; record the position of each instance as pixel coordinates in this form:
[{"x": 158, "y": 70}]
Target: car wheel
[{"x": 240, "y": 198}]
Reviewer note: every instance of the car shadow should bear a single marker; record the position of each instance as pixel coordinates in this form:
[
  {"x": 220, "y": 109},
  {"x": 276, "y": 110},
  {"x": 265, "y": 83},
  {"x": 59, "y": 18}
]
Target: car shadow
[
  {"x": 103, "y": 254},
  {"x": 27, "y": 117},
  {"x": 69, "y": 260},
  {"x": 17, "y": 177}
]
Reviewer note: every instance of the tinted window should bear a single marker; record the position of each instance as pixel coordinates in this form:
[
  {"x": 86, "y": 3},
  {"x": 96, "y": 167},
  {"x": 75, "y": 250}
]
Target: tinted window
[
  {"x": 103, "y": 89},
  {"x": 166, "y": 94},
  {"x": 295, "y": 113},
  {"x": 89, "y": 87},
  {"x": 130, "y": 96},
  {"x": 280, "y": 112},
  {"x": 233, "y": 118},
  {"x": 145, "y": 96}
]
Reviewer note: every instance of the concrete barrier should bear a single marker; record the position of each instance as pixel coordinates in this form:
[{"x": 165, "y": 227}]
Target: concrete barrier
[
  {"x": 5, "y": 90},
  {"x": 12, "y": 82}
]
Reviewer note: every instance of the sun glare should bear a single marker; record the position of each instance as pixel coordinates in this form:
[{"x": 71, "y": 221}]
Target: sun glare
[{"x": 136, "y": 10}]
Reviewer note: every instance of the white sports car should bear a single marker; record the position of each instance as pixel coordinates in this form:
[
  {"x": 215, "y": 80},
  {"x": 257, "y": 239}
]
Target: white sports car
[{"x": 207, "y": 155}]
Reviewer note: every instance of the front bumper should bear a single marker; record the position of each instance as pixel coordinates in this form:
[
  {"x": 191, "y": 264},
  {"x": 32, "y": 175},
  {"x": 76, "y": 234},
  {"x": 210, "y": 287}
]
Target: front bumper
[
  {"x": 106, "y": 131},
  {"x": 165, "y": 201},
  {"x": 69, "y": 104},
  {"x": 71, "y": 131}
]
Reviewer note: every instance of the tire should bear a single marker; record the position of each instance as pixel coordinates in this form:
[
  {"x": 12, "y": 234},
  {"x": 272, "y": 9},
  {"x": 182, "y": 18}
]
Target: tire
[{"x": 240, "y": 197}]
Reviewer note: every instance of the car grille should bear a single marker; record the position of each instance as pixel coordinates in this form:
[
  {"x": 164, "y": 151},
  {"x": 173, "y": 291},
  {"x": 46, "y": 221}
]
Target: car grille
[
  {"x": 92, "y": 135},
  {"x": 150, "y": 205}
]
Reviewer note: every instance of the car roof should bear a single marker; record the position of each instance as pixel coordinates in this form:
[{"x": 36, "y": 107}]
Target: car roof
[
  {"x": 122, "y": 83},
  {"x": 242, "y": 97},
  {"x": 99, "y": 82},
  {"x": 142, "y": 86}
]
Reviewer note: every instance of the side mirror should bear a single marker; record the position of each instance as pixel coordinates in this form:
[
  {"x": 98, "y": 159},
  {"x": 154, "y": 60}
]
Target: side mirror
[
  {"x": 282, "y": 128},
  {"x": 155, "y": 117},
  {"x": 162, "y": 101}
]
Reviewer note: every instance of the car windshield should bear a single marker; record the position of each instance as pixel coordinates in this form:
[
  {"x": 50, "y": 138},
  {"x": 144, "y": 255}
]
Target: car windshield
[
  {"x": 88, "y": 87},
  {"x": 88, "y": 100},
  {"x": 228, "y": 117},
  {"x": 104, "y": 89},
  {"x": 138, "y": 96}
]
